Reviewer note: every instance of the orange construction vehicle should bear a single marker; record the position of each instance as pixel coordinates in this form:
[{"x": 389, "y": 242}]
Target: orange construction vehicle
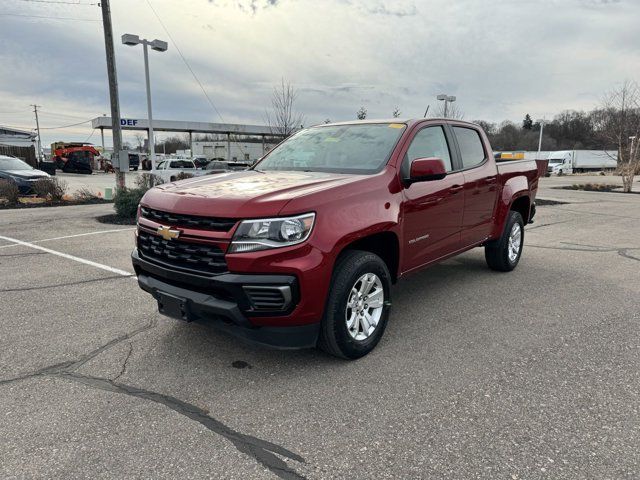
[{"x": 74, "y": 157}]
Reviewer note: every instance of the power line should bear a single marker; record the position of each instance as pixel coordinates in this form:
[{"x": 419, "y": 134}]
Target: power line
[
  {"x": 61, "y": 2},
  {"x": 47, "y": 17},
  {"x": 91, "y": 135},
  {"x": 65, "y": 126},
  {"x": 57, "y": 114},
  {"x": 184, "y": 59}
]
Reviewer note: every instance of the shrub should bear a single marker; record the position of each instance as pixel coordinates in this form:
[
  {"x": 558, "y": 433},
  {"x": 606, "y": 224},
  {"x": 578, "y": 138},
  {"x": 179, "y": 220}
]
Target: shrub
[
  {"x": 9, "y": 191},
  {"x": 595, "y": 187},
  {"x": 85, "y": 195},
  {"x": 183, "y": 176},
  {"x": 148, "y": 180},
  {"x": 126, "y": 201},
  {"x": 51, "y": 188}
]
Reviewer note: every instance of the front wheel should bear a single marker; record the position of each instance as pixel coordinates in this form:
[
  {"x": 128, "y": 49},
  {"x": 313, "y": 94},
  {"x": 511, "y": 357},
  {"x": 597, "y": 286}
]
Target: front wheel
[
  {"x": 504, "y": 254},
  {"x": 358, "y": 305}
]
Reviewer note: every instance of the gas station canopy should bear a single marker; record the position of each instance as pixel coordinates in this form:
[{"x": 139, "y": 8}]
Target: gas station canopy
[{"x": 182, "y": 126}]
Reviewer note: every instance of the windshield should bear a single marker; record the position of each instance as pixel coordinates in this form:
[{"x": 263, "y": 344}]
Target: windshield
[
  {"x": 13, "y": 164},
  {"x": 555, "y": 160},
  {"x": 356, "y": 148}
]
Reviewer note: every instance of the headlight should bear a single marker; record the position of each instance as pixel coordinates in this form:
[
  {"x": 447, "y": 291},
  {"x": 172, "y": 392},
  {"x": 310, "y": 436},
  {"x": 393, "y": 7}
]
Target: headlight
[{"x": 262, "y": 234}]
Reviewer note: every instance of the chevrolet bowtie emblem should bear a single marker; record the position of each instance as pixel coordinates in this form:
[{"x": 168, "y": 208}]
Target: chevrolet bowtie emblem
[{"x": 167, "y": 233}]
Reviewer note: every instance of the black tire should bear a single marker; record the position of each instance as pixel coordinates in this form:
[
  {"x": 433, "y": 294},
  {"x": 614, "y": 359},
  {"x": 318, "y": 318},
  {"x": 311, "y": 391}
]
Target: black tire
[
  {"x": 497, "y": 252},
  {"x": 135, "y": 169},
  {"x": 334, "y": 336}
]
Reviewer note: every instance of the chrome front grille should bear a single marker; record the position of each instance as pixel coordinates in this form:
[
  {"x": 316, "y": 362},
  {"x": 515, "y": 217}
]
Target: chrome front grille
[
  {"x": 188, "y": 221},
  {"x": 204, "y": 258}
]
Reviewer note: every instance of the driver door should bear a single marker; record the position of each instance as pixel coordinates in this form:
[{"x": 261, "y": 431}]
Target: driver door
[{"x": 432, "y": 218}]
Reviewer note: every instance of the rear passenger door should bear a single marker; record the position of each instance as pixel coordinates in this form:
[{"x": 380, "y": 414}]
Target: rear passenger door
[
  {"x": 432, "y": 211},
  {"x": 480, "y": 185}
]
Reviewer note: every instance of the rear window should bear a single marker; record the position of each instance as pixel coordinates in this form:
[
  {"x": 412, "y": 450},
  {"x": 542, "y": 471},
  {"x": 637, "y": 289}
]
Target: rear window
[
  {"x": 181, "y": 164},
  {"x": 471, "y": 149}
]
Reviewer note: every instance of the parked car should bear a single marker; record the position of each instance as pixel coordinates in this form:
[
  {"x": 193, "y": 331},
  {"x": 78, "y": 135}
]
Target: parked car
[
  {"x": 169, "y": 169},
  {"x": 302, "y": 249},
  {"x": 216, "y": 166},
  {"x": 200, "y": 161},
  {"x": 20, "y": 173}
]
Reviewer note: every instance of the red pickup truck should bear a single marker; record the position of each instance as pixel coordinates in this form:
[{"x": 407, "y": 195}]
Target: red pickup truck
[{"x": 302, "y": 249}]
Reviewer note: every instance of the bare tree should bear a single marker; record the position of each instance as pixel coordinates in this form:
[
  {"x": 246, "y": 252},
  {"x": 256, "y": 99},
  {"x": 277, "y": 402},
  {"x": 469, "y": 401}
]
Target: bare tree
[
  {"x": 362, "y": 113},
  {"x": 453, "y": 111},
  {"x": 283, "y": 119},
  {"x": 396, "y": 112},
  {"x": 618, "y": 122},
  {"x": 139, "y": 140}
]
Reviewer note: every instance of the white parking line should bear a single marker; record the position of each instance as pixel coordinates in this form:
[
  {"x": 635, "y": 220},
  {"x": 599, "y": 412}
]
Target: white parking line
[
  {"x": 76, "y": 235},
  {"x": 70, "y": 257}
]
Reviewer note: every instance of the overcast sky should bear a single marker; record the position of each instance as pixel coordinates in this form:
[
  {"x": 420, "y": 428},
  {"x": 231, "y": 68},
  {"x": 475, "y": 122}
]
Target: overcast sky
[{"x": 501, "y": 58}]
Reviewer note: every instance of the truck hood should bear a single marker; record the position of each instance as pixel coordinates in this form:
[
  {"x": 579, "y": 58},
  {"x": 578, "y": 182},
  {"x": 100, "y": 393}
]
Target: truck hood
[{"x": 243, "y": 194}]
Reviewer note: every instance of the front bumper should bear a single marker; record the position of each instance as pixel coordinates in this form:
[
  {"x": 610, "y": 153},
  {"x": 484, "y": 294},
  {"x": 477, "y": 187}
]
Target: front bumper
[{"x": 226, "y": 302}]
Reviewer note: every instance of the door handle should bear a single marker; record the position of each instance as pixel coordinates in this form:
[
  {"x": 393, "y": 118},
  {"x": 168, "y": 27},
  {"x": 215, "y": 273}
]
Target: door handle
[
  {"x": 455, "y": 189},
  {"x": 490, "y": 180}
]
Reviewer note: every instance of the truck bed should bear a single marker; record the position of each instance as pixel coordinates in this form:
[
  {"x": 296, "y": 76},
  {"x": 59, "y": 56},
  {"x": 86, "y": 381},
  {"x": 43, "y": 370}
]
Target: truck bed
[{"x": 511, "y": 167}]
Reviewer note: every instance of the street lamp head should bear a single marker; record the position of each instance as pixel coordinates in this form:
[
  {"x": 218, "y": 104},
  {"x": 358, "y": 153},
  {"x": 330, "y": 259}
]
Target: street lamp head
[
  {"x": 158, "y": 45},
  {"x": 441, "y": 97},
  {"x": 131, "y": 40},
  {"x": 451, "y": 98}
]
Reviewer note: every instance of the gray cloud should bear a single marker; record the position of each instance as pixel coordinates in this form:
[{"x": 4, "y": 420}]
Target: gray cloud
[{"x": 501, "y": 60}]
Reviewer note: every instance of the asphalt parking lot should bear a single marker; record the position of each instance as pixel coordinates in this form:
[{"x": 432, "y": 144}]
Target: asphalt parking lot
[{"x": 530, "y": 374}]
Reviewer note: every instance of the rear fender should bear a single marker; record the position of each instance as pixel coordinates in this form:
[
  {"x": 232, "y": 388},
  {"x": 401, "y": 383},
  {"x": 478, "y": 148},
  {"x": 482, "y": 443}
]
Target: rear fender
[{"x": 514, "y": 188}]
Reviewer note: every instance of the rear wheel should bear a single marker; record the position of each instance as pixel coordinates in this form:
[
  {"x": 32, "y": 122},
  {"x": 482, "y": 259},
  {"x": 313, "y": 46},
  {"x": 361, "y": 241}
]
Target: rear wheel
[
  {"x": 358, "y": 305},
  {"x": 504, "y": 254}
]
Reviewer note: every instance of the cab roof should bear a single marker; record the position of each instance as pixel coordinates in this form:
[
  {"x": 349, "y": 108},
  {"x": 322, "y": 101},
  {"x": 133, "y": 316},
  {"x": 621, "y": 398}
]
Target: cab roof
[{"x": 406, "y": 121}]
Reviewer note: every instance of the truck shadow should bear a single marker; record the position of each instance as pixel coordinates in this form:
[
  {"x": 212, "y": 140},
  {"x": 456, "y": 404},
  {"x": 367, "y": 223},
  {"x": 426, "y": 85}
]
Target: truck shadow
[{"x": 422, "y": 294}]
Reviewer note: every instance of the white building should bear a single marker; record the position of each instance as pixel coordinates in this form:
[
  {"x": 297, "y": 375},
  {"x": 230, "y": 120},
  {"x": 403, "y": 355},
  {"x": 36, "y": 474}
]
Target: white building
[{"x": 240, "y": 150}]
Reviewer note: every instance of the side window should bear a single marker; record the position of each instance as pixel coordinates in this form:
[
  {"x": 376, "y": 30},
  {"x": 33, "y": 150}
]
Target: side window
[
  {"x": 430, "y": 142},
  {"x": 471, "y": 149}
]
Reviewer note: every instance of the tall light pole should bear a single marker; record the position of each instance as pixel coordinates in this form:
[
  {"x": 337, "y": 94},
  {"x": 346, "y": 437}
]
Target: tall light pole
[
  {"x": 447, "y": 100},
  {"x": 158, "y": 46}
]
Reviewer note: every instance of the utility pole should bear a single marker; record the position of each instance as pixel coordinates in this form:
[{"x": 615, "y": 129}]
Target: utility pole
[
  {"x": 113, "y": 91},
  {"x": 35, "y": 110}
]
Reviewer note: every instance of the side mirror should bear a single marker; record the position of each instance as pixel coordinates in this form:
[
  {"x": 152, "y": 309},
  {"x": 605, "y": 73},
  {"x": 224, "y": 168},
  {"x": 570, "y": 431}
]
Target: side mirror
[{"x": 427, "y": 169}]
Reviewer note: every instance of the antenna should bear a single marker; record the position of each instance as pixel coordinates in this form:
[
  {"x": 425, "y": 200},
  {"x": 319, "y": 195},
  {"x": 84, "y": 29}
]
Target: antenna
[{"x": 426, "y": 111}]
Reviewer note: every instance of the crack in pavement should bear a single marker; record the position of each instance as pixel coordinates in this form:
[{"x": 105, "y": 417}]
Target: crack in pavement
[
  {"x": 22, "y": 254},
  {"x": 261, "y": 450},
  {"x": 124, "y": 364},
  {"x": 578, "y": 247},
  {"x": 68, "y": 284},
  {"x": 264, "y": 452},
  {"x": 547, "y": 224}
]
